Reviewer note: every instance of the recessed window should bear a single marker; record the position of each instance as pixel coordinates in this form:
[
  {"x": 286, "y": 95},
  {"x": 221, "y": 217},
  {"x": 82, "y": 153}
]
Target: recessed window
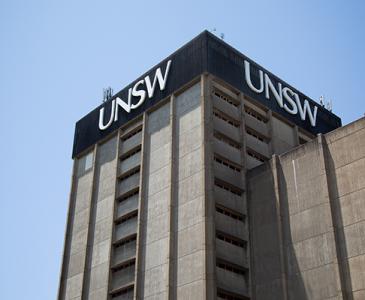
[
  {"x": 228, "y": 187},
  {"x": 256, "y": 156},
  {"x": 226, "y": 119},
  {"x": 131, "y": 134},
  {"x": 230, "y": 267},
  {"x": 225, "y": 98},
  {"x": 222, "y": 294},
  {"x": 230, "y": 213},
  {"x": 226, "y": 140},
  {"x": 129, "y": 173},
  {"x": 126, "y": 293},
  {"x": 227, "y": 163},
  {"x": 256, "y": 135},
  {"x": 230, "y": 239},
  {"x": 255, "y": 114}
]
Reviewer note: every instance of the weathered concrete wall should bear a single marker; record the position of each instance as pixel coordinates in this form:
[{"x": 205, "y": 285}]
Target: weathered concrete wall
[
  {"x": 156, "y": 209},
  {"x": 85, "y": 272},
  {"x": 306, "y": 211},
  {"x": 345, "y": 157},
  {"x": 101, "y": 222},
  {"x": 73, "y": 268},
  {"x": 265, "y": 235},
  {"x": 189, "y": 264},
  {"x": 283, "y": 136}
]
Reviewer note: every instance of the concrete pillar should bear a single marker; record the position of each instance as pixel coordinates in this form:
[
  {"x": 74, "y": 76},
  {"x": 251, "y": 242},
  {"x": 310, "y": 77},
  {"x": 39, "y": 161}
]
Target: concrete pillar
[{"x": 209, "y": 202}]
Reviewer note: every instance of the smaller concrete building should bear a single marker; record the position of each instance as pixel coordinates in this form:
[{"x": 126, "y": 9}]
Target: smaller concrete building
[{"x": 307, "y": 219}]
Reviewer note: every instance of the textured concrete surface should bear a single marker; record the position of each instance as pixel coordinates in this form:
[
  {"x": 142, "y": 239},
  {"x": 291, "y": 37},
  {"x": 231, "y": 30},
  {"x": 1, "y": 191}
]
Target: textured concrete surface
[{"x": 307, "y": 219}]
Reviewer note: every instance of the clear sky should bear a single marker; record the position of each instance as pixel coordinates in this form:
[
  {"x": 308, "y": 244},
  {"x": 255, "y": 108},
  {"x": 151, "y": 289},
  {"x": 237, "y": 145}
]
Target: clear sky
[{"x": 57, "y": 56}]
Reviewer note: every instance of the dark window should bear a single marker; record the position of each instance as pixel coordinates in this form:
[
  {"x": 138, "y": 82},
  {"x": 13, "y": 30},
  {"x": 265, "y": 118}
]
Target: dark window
[
  {"x": 230, "y": 213},
  {"x": 255, "y": 114},
  {"x": 256, "y": 156},
  {"x": 227, "y": 163},
  {"x": 226, "y": 119},
  {"x": 228, "y": 187},
  {"x": 131, "y": 134},
  {"x": 226, "y": 140},
  {"x": 127, "y": 217},
  {"x": 230, "y": 239},
  {"x": 225, "y": 98},
  {"x": 230, "y": 267}
]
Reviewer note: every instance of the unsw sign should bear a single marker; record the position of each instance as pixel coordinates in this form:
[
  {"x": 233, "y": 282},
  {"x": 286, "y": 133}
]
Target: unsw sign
[
  {"x": 285, "y": 97},
  {"x": 140, "y": 90}
]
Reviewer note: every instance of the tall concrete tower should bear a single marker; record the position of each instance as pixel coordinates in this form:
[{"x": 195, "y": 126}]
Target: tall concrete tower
[{"x": 159, "y": 199}]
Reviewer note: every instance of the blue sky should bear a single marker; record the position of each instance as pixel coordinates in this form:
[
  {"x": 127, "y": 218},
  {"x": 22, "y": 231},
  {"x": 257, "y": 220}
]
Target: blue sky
[{"x": 57, "y": 56}]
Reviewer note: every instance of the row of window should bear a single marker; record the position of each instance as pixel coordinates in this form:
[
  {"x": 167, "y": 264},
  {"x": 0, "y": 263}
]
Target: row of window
[
  {"x": 130, "y": 174},
  {"x": 127, "y": 240},
  {"x": 226, "y": 163},
  {"x": 228, "y": 187},
  {"x": 131, "y": 134},
  {"x": 255, "y": 135},
  {"x": 230, "y": 239},
  {"x": 228, "y": 212},
  {"x": 255, "y": 114},
  {"x": 131, "y": 153},
  {"x": 127, "y": 217},
  {"x": 226, "y": 140},
  {"x": 127, "y": 293},
  {"x": 125, "y": 265},
  {"x": 229, "y": 295},
  {"x": 230, "y": 267},
  {"x": 225, "y": 98},
  {"x": 226, "y": 119},
  {"x": 256, "y": 155},
  {"x": 129, "y": 195}
]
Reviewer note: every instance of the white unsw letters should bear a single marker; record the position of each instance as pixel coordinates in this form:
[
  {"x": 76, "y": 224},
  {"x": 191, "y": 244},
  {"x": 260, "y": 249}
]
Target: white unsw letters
[
  {"x": 138, "y": 92},
  {"x": 292, "y": 103}
]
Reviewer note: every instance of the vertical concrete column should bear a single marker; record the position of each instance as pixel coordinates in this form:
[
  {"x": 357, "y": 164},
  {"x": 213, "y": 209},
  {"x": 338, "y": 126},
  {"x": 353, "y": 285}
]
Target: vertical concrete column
[
  {"x": 114, "y": 209},
  {"x": 243, "y": 176},
  {"x": 73, "y": 271},
  {"x": 189, "y": 200},
  {"x": 138, "y": 267},
  {"x": 208, "y": 182},
  {"x": 280, "y": 230},
  {"x": 172, "y": 289},
  {"x": 67, "y": 239},
  {"x": 97, "y": 268},
  {"x": 86, "y": 279},
  {"x": 345, "y": 288},
  {"x": 154, "y": 225}
]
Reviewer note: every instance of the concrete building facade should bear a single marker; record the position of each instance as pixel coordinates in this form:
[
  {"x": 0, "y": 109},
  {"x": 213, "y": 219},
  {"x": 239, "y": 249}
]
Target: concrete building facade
[
  {"x": 307, "y": 219},
  {"x": 180, "y": 199}
]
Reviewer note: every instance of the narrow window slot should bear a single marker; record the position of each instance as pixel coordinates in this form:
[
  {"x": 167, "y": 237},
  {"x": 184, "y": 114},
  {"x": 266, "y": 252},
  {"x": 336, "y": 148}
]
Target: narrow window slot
[{"x": 226, "y": 119}]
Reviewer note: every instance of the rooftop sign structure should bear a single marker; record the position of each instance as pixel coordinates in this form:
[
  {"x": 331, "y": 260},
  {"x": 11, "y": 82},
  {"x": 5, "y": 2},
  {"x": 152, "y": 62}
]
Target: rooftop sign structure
[{"x": 205, "y": 53}]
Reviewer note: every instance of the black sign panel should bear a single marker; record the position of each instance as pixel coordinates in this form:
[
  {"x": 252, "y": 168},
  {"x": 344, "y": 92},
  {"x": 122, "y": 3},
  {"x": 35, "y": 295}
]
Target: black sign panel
[{"x": 205, "y": 53}]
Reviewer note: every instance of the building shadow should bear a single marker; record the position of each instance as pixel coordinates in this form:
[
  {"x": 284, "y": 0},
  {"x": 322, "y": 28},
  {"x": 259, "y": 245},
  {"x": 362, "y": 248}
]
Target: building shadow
[
  {"x": 337, "y": 221},
  {"x": 294, "y": 286}
]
